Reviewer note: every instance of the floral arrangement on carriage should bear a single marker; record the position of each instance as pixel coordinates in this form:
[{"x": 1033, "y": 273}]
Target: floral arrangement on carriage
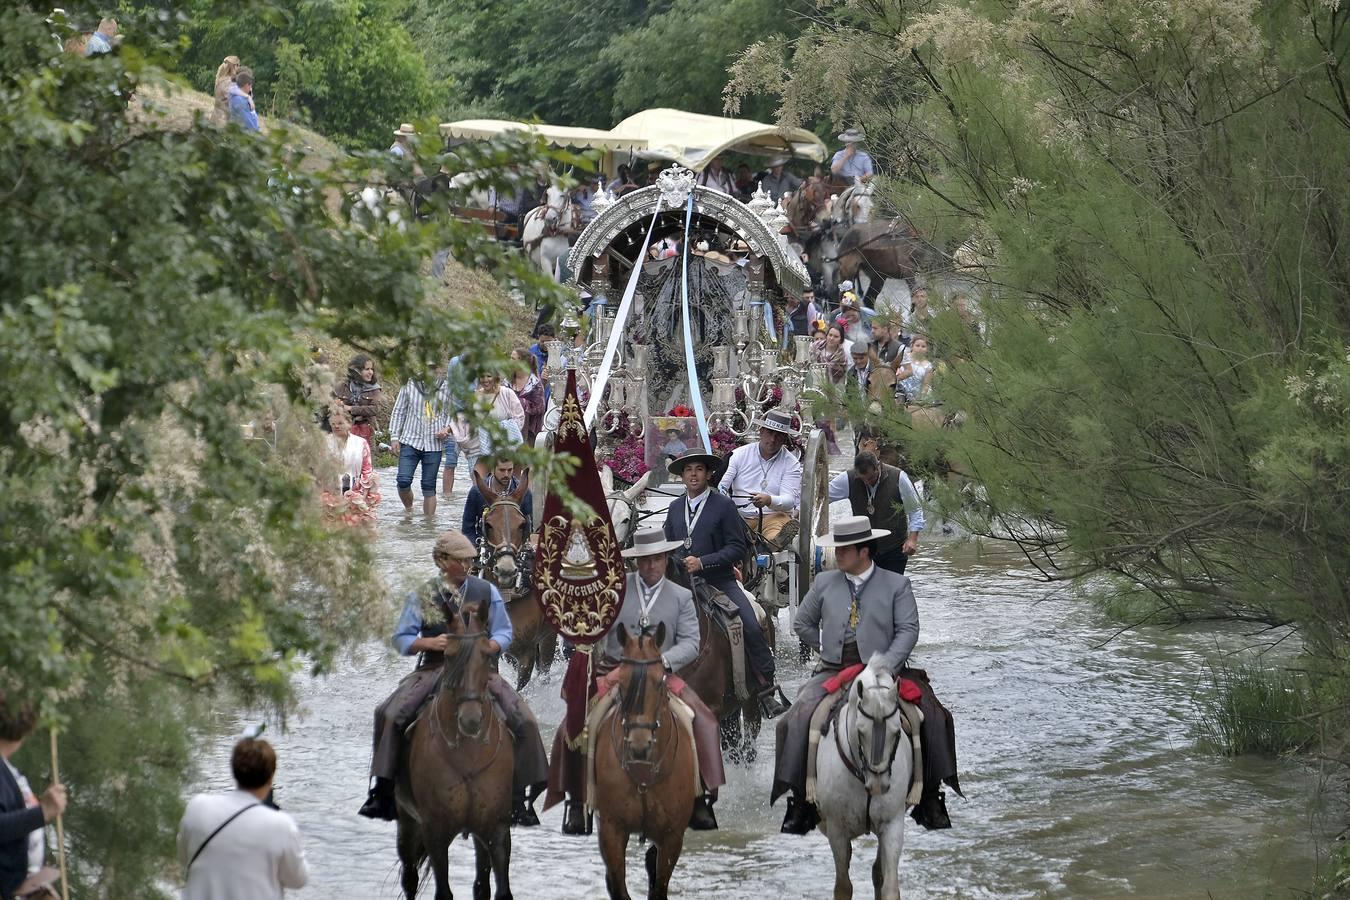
[{"x": 636, "y": 451}]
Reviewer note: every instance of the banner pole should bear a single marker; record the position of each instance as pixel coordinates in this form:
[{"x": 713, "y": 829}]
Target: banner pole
[{"x": 60, "y": 828}]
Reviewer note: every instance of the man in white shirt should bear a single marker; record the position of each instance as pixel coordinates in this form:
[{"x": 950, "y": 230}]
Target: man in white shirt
[
  {"x": 766, "y": 478},
  {"x": 236, "y": 846}
]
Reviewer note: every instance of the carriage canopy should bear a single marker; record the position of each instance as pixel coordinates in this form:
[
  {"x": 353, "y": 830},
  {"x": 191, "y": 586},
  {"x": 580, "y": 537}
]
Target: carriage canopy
[{"x": 689, "y": 139}]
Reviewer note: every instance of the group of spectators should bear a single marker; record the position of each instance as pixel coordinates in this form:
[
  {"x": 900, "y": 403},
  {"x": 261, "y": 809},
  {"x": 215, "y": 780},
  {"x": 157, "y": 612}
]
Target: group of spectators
[
  {"x": 234, "y": 96},
  {"x": 427, "y": 426}
]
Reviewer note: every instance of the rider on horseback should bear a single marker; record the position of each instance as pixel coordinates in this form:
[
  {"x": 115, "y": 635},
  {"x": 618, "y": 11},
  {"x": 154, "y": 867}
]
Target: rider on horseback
[
  {"x": 650, "y": 599},
  {"x": 422, "y": 630},
  {"x": 765, "y": 479},
  {"x": 849, "y": 614},
  {"x": 714, "y": 539}
]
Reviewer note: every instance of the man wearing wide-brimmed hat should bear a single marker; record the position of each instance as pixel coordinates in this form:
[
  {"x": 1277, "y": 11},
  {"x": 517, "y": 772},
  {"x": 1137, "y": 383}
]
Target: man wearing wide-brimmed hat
[
  {"x": 765, "y": 478},
  {"x": 778, "y": 181},
  {"x": 652, "y": 600},
  {"x": 848, "y": 615},
  {"x": 714, "y": 539},
  {"x": 400, "y": 146},
  {"x": 852, "y": 162}
]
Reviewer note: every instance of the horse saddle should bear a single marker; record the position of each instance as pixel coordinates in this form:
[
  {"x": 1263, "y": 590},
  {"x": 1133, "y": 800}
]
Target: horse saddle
[{"x": 725, "y": 616}]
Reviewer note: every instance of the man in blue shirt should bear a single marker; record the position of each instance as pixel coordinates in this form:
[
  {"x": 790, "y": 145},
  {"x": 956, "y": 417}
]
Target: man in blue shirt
[
  {"x": 852, "y": 162},
  {"x": 421, "y": 632},
  {"x": 503, "y": 483}
]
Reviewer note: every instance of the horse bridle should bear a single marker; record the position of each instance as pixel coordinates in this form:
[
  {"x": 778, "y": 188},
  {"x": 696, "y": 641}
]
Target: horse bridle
[
  {"x": 492, "y": 552},
  {"x": 463, "y": 698},
  {"x": 866, "y": 765},
  {"x": 626, "y": 762}
]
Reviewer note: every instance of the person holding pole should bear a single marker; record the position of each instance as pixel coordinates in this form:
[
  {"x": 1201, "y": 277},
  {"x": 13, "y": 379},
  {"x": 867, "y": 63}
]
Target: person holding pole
[{"x": 22, "y": 815}]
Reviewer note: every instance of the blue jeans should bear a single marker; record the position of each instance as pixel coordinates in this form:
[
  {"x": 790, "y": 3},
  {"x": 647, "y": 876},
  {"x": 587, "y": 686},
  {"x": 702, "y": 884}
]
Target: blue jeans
[
  {"x": 451, "y": 453},
  {"x": 408, "y": 458}
]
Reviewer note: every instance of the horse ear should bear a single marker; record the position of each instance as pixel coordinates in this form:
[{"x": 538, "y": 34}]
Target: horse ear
[
  {"x": 660, "y": 634},
  {"x": 488, "y": 493},
  {"x": 623, "y": 635},
  {"x": 519, "y": 493}
]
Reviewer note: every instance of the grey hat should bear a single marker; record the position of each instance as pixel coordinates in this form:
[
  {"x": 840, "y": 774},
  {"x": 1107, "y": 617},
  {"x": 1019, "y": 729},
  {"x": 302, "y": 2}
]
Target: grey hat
[
  {"x": 776, "y": 420},
  {"x": 851, "y": 530},
  {"x": 649, "y": 542},
  {"x": 852, "y": 136},
  {"x": 778, "y": 161}
]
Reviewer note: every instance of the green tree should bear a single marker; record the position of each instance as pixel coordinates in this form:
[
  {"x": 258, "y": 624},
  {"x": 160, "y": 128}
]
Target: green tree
[
  {"x": 161, "y": 288},
  {"x": 1156, "y": 197},
  {"x": 349, "y": 67}
]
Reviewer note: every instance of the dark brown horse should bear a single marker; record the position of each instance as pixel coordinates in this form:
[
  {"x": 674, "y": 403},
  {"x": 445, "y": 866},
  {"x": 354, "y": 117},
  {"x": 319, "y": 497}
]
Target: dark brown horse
[
  {"x": 456, "y": 774},
  {"x": 507, "y": 560},
  {"x": 888, "y": 248},
  {"x": 710, "y": 676},
  {"x": 644, "y": 769}
]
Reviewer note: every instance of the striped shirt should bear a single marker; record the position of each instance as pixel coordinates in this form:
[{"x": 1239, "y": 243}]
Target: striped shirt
[{"x": 417, "y": 418}]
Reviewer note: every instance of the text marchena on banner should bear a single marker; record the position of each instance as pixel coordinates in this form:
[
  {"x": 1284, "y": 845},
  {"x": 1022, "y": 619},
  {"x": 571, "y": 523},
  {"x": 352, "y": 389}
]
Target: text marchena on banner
[{"x": 579, "y": 572}]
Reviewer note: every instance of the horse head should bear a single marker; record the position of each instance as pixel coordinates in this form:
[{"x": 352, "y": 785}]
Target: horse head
[
  {"x": 505, "y": 531},
  {"x": 464, "y": 674},
  {"x": 877, "y": 725},
  {"x": 623, "y": 508},
  {"x": 642, "y": 691}
]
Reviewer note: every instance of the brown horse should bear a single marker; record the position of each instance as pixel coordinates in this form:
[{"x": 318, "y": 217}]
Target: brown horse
[
  {"x": 456, "y": 774},
  {"x": 506, "y": 560},
  {"x": 711, "y": 678},
  {"x": 644, "y": 769},
  {"x": 888, "y": 248}
]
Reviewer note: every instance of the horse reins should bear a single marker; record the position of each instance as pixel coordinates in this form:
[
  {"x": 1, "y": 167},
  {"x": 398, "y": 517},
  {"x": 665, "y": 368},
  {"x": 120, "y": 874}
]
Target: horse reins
[
  {"x": 493, "y": 552},
  {"x": 846, "y": 754}
]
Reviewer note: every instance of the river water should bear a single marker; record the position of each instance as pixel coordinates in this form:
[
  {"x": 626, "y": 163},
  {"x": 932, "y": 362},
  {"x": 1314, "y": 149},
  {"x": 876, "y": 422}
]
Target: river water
[{"x": 1081, "y": 774}]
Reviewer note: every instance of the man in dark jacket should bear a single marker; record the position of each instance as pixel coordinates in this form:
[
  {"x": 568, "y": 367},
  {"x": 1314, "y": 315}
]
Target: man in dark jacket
[
  {"x": 714, "y": 539},
  {"x": 20, "y": 814}
]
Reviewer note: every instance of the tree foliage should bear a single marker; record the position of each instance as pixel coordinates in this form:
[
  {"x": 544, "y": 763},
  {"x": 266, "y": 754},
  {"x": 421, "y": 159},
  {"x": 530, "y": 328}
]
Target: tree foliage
[
  {"x": 161, "y": 288},
  {"x": 348, "y": 67},
  {"x": 591, "y": 63},
  {"x": 1157, "y": 194}
]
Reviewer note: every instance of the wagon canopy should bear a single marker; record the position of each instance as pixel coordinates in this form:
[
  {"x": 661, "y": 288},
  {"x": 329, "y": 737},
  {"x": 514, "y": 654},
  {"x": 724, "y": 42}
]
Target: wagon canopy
[{"x": 689, "y": 139}]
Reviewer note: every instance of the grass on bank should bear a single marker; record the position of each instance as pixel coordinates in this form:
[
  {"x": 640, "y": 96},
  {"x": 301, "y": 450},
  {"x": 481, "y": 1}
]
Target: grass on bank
[{"x": 1252, "y": 706}]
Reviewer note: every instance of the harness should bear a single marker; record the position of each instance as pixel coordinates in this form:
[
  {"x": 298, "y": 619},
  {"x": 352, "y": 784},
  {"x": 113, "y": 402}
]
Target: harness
[
  {"x": 491, "y": 553},
  {"x": 453, "y": 741}
]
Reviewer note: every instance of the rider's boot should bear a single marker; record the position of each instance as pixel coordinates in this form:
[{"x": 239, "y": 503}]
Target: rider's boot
[
  {"x": 702, "y": 818},
  {"x": 522, "y": 811},
  {"x": 801, "y": 817},
  {"x": 772, "y": 702},
  {"x": 931, "y": 812},
  {"x": 575, "y": 819},
  {"x": 380, "y": 803}
]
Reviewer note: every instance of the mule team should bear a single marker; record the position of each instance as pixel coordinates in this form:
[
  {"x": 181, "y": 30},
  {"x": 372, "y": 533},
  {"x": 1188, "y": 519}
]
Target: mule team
[{"x": 457, "y": 750}]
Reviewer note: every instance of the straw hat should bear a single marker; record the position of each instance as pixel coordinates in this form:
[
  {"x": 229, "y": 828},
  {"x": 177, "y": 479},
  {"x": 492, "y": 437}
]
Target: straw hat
[
  {"x": 405, "y": 130},
  {"x": 650, "y": 542},
  {"x": 851, "y": 530},
  {"x": 852, "y": 136}
]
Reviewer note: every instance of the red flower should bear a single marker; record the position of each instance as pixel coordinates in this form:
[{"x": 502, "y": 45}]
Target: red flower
[{"x": 682, "y": 412}]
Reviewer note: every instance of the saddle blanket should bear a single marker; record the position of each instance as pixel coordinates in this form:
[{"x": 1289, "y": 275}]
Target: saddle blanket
[{"x": 908, "y": 690}]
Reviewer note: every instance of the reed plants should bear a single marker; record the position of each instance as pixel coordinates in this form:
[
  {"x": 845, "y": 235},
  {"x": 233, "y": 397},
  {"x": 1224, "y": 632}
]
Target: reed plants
[{"x": 1253, "y": 706}]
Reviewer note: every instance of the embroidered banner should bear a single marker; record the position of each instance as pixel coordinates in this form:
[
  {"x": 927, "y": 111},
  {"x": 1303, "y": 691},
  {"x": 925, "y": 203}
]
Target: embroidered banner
[{"x": 579, "y": 573}]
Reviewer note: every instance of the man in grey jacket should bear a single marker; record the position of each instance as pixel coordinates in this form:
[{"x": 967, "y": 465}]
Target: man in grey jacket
[
  {"x": 651, "y": 600},
  {"x": 849, "y": 615}
]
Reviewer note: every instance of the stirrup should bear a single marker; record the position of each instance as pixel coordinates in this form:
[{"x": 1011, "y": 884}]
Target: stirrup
[
  {"x": 576, "y": 821},
  {"x": 772, "y": 702}
]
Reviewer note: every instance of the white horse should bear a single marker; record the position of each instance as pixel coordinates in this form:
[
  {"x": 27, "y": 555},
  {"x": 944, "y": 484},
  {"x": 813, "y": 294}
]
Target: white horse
[
  {"x": 623, "y": 509},
  {"x": 854, "y": 205},
  {"x": 545, "y": 231},
  {"x": 862, "y": 784}
]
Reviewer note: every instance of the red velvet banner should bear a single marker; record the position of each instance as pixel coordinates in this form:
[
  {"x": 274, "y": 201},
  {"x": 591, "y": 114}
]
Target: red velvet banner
[{"x": 579, "y": 572}]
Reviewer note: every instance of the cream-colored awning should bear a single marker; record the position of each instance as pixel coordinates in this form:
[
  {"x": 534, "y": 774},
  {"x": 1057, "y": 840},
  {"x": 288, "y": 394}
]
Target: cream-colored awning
[
  {"x": 557, "y": 135},
  {"x": 690, "y": 139},
  {"x": 693, "y": 139}
]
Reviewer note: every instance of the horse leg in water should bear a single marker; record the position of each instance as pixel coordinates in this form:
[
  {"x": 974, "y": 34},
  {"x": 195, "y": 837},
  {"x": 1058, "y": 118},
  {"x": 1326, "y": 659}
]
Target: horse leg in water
[
  {"x": 886, "y": 870},
  {"x": 613, "y": 849},
  {"x": 842, "y": 848},
  {"x": 500, "y": 849},
  {"x": 411, "y": 852},
  {"x": 667, "y": 855},
  {"x": 525, "y": 666},
  {"x": 547, "y": 651},
  {"x": 438, "y": 848},
  {"x": 482, "y": 869}
]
